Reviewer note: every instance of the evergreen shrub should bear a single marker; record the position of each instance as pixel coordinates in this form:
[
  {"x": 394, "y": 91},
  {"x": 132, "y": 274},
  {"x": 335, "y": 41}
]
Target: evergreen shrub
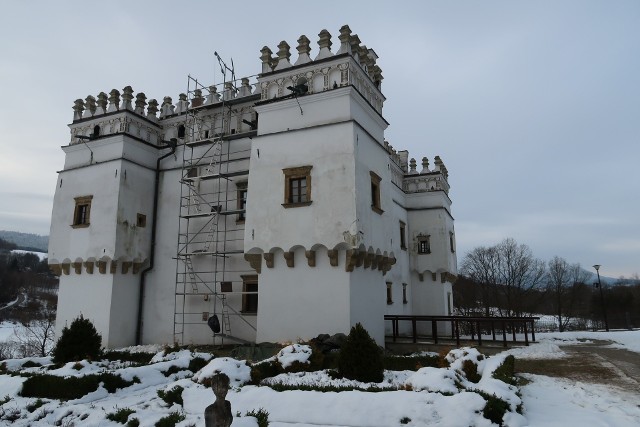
[
  {"x": 360, "y": 357},
  {"x": 79, "y": 341}
]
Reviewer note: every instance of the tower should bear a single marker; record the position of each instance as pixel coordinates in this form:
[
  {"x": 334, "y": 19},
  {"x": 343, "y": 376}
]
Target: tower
[{"x": 100, "y": 237}]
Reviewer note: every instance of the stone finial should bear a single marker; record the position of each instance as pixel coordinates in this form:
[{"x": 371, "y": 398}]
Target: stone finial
[
  {"x": 219, "y": 414},
  {"x": 182, "y": 105},
  {"x": 141, "y": 101},
  {"x": 213, "y": 96},
  {"x": 102, "y": 103},
  {"x": 114, "y": 101},
  {"x": 377, "y": 76},
  {"x": 283, "y": 56},
  {"x": 437, "y": 161},
  {"x": 245, "y": 87},
  {"x": 197, "y": 99},
  {"x": 344, "y": 37},
  {"x": 152, "y": 109},
  {"x": 365, "y": 60},
  {"x": 78, "y": 108},
  {"x": 229, "y": 91},
  {"x": 354, "y": 41},
  {"x": 90, "y": 104},
  {"x": 412, "y": 167},
  {"x": 425, "y": 165},
  {"x": 372, "y": 57},
  {"x": 166, "y": 109},
  {"x": 325, "y": 45},
  {"x": 266, "y": 59},
  {"x": 303, "y": 50},
  {"x": 127, "y": 97}
]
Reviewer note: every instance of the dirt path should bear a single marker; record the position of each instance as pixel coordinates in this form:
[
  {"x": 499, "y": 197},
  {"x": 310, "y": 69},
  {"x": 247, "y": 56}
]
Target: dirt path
[{"x": 590, "y": 362}]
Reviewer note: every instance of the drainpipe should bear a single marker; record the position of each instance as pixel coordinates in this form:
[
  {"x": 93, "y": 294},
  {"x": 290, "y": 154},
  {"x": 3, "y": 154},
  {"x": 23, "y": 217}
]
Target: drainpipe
[{"x": 172, "y": 144}]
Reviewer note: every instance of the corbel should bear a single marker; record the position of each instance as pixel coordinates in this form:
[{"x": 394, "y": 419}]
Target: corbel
[
  {"x": 114, "y": 267},
  {"x": 311, "y": 258},
  {"x": 360, "y": 255},
  {"x": 65, "y": 268},
  {"x": 136, "y": 267},
  {"x": 77, "y": 267},
  {"x": 374, "y": 261},
  {"x": 88, "y": 267},
  {"x": 434, "y": 276},
  {"x": 350, "y": 261},
  {"x": 102, "y": 267},
  {"x": 368, "y": 259},
  {"x": 126, "y": 265},
  {"x": 56, "y": 269},
  {"x": 288, "y": 257},
  {"x": 255, "y": 261},
  {"x": 268, "y": 258},
  {"x": 421, "y": 277},
  {"x": 380, "y": 259},
  {"x": 333, "y": 257}
]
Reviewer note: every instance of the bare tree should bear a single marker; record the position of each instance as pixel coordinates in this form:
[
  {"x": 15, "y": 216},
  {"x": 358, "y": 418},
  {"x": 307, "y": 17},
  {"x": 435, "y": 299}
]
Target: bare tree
[
  {"x": 481, "y": 266},
  {"x": 509, "y": 275},
  {"x": 36, "y": 336},
  {"x": 564, "y": 284}
]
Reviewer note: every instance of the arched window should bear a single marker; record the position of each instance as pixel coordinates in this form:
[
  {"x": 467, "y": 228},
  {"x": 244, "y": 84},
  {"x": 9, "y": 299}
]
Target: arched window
[
  {"x": 96, "y": 131},
  {"x": 181, "y": 131}
]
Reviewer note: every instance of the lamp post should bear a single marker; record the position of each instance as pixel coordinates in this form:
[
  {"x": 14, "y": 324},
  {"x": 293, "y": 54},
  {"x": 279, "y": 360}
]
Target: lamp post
[{"x": 599, "y": 285}]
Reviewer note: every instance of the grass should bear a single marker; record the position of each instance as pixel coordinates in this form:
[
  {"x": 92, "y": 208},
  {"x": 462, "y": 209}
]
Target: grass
[
  {"x": 171, "y": 420},
  {"x": 261, "y": 415},
  {"x": 120, "y": 415}
]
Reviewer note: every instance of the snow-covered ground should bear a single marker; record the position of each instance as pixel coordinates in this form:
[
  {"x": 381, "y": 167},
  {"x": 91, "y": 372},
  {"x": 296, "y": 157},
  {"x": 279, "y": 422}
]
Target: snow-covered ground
[
  {"x": 41, "y": 255},
  {"x": 428, "y": 397}
]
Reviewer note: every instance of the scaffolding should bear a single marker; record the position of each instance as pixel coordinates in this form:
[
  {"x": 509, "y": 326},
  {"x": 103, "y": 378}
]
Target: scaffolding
[{"x": 212, "y": 207}]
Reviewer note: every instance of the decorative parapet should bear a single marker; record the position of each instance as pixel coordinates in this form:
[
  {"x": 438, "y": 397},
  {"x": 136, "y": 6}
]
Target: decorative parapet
[
  {"x": 103, "y": 265},
  {"x": 357, "y": 67},
  {"x": 426, "y": 179}
]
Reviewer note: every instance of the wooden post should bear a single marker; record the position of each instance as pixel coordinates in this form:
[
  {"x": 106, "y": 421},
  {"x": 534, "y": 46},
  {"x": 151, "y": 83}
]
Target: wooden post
[
  {"x": 457, "y": 332},
  {"x": 533, "y": 330},
  {"x": 479, "y": 335},
  {"x": 434, "y": 331},
  {"x": 526, "y": 334},
  {"x": 415, "y": 332},
  {"x": 493, "y": 330},
  {"x": 504, "y": 334}
]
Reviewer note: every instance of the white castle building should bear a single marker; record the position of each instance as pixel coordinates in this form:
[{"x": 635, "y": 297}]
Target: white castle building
[{"x": 272, "y": 210}]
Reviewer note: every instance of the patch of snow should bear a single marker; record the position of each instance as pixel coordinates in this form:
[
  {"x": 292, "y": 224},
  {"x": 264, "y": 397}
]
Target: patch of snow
[
  {"x": 541, "y": 350},
  {"x": 294, "y": 353},
  {"x": 237, "y": 370}
]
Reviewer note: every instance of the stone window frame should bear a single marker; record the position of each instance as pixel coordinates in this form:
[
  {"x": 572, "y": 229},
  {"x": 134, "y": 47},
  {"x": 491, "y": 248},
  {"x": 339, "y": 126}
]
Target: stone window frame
[
  {"x": 141, "y": 220},
  {"x": 376, "y": 205},
  {"x": 424, "y": 244},
  {"x": 82, "y": 212},
  {"x": 241, "y": 201},
  {"x": 389, "y": 293},
  {"x": 296, "y": 173},
  {"x": 452, "y": 243},
  {"x": 403, "y": 235},
  {"x": 249, "y": 281}
]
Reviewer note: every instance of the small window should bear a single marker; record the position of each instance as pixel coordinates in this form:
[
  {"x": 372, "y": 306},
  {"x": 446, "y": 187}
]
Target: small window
[
  {"x": 96, "y": 131},
  {"x": 297, "y": 186},
  {"x": 375, "y": 193},
  {"x": 250, "y": 294},
  {"x": 389, "y": 293},
  {"x": 424, "y": 244},
  {"x": 242, "y": 201},
  {"x": 226, "y": 287},
  {"x": 404, "y": 294},
  {"x": 452, "y": 242},
  {"x": 181, "y": 131},
  {"x": 192, "y": 172},
  {"x": 82, "y": 212},
  {"x": 141, "y": 220},
  {"x": 403, "y": 239}
]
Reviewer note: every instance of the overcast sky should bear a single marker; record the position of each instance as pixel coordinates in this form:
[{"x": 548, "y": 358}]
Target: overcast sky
[{"x": 533, "y": 106}]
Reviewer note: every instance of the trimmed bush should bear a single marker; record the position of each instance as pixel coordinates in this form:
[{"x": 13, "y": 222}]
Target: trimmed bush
[
  {"x": 411, "y": 363},
  {"x": 470, "y": 370},
  {"x": 171, "y": 420},
  {"x": 360, "y": 357},
  {"x": 172, "y": 396},
  {"x": 139, "y": 358},
  {"x": 506, "y": 371},
  {"x": 120, "y": 415},
  {"x": 261, "y": 415},
  {"x": 54, "y": 387},
  {"x": 494, "y": 409},
  {"x": 79, "y": 341}
]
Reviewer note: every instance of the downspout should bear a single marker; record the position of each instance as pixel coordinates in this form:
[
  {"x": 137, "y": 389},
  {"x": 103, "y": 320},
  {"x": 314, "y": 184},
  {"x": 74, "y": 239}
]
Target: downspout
[{"x": 172, "y": 144}]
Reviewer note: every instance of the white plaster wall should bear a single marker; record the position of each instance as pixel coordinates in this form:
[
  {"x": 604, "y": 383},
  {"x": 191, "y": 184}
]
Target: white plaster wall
[
  {"x": 329, "y": 149},
  {"x": 86, "y": 294},
  {"x": 304, "y": 301},
  {"x": 123, "y": 309},
  {"x": 367, "y": 301}
]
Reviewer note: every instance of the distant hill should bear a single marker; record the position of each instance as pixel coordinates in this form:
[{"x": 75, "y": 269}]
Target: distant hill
[{"x": 26, "y": 241}]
